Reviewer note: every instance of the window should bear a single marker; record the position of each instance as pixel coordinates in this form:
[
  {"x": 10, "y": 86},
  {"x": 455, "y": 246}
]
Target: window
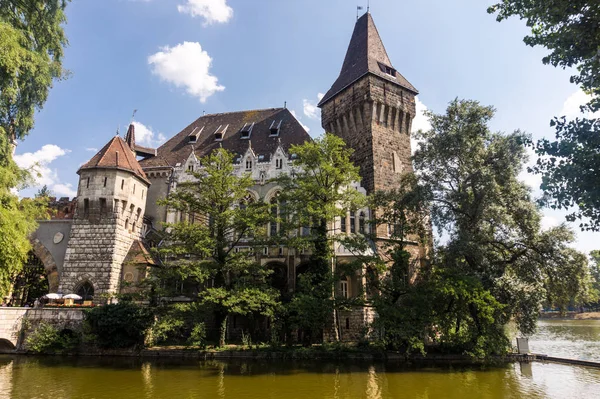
[
  {"x": 86, "y": 291},
  {"x": 388, "y": 70},
  {"x": 220, "y": 132},
  {"x": 344, "y": 288},
  {"x": 347, "y": 323},
  {"x": 278, "y": 163},
  {"x": 274, "y": 128},
  {"x": 86, "y": 207},
  {"x": 102, "y": 206},
  {"x": 127, "y": 223},
  {"x": 191, "y": 168},
  {"x": 87, "y": 185},
  {"x": 105, "y": 180},
  {"x": 352, "y": 222},
  {"x": 343, "y": 224},
  {"x": 142, "y": 194},
  {"x": 122, "y": 183},
  {"x": 273, "y": 227},
  {"x": 361, "y": 223},
  {"x": 134, "y": 188},
  {"x": 248, "y": 163},
  {"x": 246, "y": 130},
  {"x": 280, "y": 251}
]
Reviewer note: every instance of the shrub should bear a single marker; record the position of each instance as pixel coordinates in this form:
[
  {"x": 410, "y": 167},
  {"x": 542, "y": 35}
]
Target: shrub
[
  {"x": 121, "y": 325},
  {"x": 174, "y": 324},
  {"x": 46, "y": 338},
  {"x": 198, "y": 335}
]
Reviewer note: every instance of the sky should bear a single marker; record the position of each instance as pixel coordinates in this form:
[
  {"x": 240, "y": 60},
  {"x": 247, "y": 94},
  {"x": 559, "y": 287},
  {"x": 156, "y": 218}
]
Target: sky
[{"x": 172, "y": 60}]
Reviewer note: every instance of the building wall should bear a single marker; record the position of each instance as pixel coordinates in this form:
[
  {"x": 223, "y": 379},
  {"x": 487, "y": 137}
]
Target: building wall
[
  {"x": 108, "y": 219},
  {"x": 159, "y": 189}
]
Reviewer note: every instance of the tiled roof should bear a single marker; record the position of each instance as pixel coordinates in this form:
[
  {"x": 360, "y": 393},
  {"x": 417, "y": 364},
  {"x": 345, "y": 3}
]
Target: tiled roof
[
  {"x": 138, "y": 255},
  {"x": 364, "y": 55},
  {"x": 116, "y": 154},
  {"x": 200, "y": 136}
]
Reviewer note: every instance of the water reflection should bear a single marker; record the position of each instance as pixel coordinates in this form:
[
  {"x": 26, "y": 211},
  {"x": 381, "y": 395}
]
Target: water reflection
[
  {"x": 173, "y": 378},
  {"x": 576, "y": 339}
]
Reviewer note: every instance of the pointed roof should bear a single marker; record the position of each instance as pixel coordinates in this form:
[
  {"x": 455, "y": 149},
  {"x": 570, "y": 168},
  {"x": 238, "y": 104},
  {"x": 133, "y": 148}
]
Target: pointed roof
[
  {"x": 130, "y": 137},
  {"x": 366, "y": 54},
  {"x": 116, "y": 154}
]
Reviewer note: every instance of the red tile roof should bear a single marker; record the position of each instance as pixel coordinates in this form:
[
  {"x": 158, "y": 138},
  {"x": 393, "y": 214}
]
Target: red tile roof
[{"x": 116, "y": 154}]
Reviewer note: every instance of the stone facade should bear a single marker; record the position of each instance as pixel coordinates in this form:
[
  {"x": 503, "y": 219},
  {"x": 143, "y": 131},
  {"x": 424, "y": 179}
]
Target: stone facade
[{"x": 108, "y": 219}]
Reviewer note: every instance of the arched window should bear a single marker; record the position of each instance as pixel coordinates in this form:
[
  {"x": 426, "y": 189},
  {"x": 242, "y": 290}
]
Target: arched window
[
  {"x": 85, "y": 291},
  {"x": 361, "y": 223},
  {"x": 344, "y": 287},
  {"x": 352, "y": 222},
  {"x": 248, "y": 163},
  {"x": 127, "y": 223},
  {"x": 274, "y": 224},
  {"x": 343, "y": 223}
]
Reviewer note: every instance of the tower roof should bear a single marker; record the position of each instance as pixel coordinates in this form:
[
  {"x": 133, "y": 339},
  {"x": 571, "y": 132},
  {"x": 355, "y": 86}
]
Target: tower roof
[
  {"x": 366, "y": 54},
  {"x": 116, "y": 154}
]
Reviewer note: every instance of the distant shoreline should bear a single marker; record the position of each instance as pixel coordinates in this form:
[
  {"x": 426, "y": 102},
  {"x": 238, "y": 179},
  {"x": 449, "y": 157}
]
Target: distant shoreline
[{"x": 571, "y": 315}]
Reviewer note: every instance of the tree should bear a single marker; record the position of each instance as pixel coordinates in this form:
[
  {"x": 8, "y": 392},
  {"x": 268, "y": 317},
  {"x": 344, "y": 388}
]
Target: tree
[
  {"x": 31, "y": 48},
  {"x": 495, "y": 243},
  {"x": 218, "y": 214},
  {"x": 569, "y": 165},
  {"x": 318, "y": 190}
]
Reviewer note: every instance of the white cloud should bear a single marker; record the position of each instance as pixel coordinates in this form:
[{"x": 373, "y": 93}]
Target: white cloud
[
  {"x": 293, "y": 112},
  {"x": 571, "y": 106},
  {"x": 420, "y": 122},
  {"x": 64, "y": 190},
  {"x": 310, "y": 109},
  {"x": 146, "y": 137},
  {"x": 186, "y": 65},
  {"x": 91, "y": 149},
  {"x": 213, "y": 11},
  {"x": 38, "y": 164}
]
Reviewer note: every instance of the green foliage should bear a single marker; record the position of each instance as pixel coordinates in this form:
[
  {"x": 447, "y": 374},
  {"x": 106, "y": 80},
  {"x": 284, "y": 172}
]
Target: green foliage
[
  {"x": 121, "y": 325},
  {"x": 318, "y": 190},
  {"x": 569, "y": 165},
  {"x": 496, "y": 265},
  {"x": 198, "y": 335},
  {"x": 221, "y": 214},
  {"x": 31, "y": 47},
  {"x": 46, "y": 338}
]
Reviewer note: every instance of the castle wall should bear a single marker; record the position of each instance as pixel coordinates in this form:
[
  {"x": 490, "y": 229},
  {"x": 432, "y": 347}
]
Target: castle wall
[
  {"x": 108, "y": 219},
  {"x": 157, "y": 191}
]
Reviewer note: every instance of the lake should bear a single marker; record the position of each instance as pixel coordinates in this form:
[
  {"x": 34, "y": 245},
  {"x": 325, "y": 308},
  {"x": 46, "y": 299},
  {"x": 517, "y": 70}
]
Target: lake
[{"x": 124, "y": 378}]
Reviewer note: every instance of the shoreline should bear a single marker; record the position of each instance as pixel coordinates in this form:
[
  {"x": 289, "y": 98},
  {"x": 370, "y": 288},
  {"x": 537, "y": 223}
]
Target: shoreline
[{"x": 570, "y": 316}]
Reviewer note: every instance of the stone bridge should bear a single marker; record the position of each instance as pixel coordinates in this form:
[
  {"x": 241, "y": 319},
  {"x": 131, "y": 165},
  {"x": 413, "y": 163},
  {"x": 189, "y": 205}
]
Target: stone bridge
[{"x": 12, "y": 333}]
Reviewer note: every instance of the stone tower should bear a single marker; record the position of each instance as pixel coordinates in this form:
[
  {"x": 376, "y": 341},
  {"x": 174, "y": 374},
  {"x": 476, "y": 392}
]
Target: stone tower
[
  {"x": 371, "y": 106},
  {"x": 111, "y": 201}
]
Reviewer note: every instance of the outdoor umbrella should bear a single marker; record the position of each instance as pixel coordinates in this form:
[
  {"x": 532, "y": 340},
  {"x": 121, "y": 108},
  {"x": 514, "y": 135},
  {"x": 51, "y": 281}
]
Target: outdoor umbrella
[
  {"x": 72, "y": 296},
  {"x": 53, "y": 296}
]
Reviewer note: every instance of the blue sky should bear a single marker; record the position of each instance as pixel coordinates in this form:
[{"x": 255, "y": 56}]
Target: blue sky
[{"x": 173, "y": 59}]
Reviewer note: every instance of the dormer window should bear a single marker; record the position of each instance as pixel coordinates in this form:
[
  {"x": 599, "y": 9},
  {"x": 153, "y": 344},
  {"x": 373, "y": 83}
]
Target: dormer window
[
  {"x": 191, "y": 168},
  {"x": 274, "y": 128},
  {"x": 193, "y": 136},
  {"x": 220, "y": 132},
  {"x": 278, "y": 163},
  {"x": 248, "y": 163},
  {"x": 246, "y": 130},
  {"x": 388, "y": 70}
]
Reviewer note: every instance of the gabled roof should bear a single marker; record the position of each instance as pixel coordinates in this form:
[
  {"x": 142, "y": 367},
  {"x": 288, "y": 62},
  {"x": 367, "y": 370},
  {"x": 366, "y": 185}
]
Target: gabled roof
[
  {"x": 364, "y": 55},
  {"x": 178, "y": 149},
  {"x": 116, "y": 154}
]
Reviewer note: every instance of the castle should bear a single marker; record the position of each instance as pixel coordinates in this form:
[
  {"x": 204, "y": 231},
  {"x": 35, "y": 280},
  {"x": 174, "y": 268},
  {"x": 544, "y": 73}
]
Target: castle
[{"x": 102, "y": 245}]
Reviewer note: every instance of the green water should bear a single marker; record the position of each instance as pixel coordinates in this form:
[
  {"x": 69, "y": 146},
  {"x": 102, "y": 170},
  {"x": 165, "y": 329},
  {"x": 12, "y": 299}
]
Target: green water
[{"x": 125, "y": 378}]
